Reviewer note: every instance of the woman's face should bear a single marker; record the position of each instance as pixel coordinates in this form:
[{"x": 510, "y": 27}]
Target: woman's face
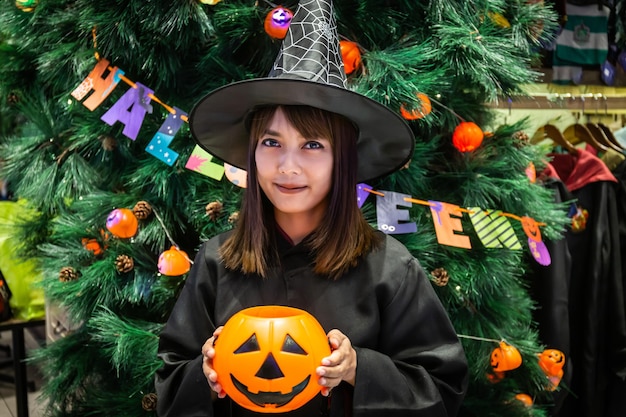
[{"x": 294, "y": 172}]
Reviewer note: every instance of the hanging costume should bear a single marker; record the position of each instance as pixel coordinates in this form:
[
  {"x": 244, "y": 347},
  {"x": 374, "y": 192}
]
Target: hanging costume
[
  {"x": 596, "y": 304},
  {"x": 410, "y": 361}
]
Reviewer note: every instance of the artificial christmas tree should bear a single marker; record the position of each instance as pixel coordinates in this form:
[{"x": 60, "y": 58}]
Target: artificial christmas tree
[{"x": 99, "y": 94}]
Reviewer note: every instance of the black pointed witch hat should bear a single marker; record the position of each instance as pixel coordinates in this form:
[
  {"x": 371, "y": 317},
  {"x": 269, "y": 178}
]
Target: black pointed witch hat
[{"x": 308, "y": 71}]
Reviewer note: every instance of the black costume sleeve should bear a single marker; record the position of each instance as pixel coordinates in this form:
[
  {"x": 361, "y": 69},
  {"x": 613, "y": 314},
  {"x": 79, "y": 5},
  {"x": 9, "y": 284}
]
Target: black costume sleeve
[
  {"x": 423, "y": 371},
  {"x": 182, "y": 388}
]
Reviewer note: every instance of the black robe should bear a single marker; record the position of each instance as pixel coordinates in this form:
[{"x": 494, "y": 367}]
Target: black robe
[{"x": 409, "y": 359}]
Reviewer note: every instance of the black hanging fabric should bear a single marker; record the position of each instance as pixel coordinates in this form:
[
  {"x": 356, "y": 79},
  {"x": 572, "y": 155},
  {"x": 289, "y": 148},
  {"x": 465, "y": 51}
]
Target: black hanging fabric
[{"x": 596, "y": 298}]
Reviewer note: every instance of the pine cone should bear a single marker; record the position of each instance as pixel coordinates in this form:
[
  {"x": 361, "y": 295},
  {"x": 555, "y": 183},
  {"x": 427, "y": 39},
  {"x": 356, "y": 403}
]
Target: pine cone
[
  {"x": 124, "y": 263},
  {"x": 149, "y": 402},
  {"x": 233, "y": 217},
  {"x": 142, "y": 210},
  {"x": 108, "y": 142},
  {"x": 12, "y": 98},
  {"x": 521, "y": 136},
  {"x": 440, "y": 277},
  {"x": 214, "y": 209},
  {"x": 67, "y": 274}
]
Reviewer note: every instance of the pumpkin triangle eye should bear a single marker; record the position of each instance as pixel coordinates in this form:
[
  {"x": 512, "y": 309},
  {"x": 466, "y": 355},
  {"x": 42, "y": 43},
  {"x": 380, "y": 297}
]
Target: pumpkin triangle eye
[
  {"x": 250, "y": 345},
  {"x": 290, "y": 346}
]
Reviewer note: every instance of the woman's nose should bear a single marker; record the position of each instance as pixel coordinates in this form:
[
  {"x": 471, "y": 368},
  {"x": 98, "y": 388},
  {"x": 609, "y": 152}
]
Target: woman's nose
[{"x": 289, "y": 163}]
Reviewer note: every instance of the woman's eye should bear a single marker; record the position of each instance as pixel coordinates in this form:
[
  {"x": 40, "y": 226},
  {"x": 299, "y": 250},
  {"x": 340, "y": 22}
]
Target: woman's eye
[
  {"x": 313, "y": 145},
  {"x": 270, "y": 142}
]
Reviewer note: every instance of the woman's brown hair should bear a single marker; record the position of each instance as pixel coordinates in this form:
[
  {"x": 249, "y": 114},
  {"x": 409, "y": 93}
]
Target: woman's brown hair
[{"x": 342, "y": 237}]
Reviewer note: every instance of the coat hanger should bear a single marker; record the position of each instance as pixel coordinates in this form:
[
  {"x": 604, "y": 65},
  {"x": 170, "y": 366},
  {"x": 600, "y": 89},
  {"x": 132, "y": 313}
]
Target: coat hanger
[
  {"x": 603, "y": 132},
  {"x": 578, "y": 133},
  {"x": 600, "y": 136},
  {"x": 552, "y": 132},
  {"x": 611, "y": 137}
]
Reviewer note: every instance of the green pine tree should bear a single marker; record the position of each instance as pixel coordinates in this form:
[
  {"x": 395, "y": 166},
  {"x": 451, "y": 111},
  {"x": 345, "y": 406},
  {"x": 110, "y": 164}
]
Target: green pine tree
[{"x": 74, "y": 169}]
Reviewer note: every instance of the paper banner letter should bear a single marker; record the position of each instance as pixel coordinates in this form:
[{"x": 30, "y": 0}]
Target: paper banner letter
[
  {"x": 389, "y": 215},
  {"x": 200, "y": 161},
  {"x": 494, "y": 230},
  {"x": 101, "y": 87},
  {"x": 237, "y": 176},
  {"x": 361, "y": 194},
  {"x": 446, "y": 225},
  {"x": 159, "y": 145},
  {"x": 130, "y": 110}
]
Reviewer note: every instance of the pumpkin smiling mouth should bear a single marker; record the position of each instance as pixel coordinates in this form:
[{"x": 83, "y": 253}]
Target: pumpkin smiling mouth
[{"x": 270, "y": 398}]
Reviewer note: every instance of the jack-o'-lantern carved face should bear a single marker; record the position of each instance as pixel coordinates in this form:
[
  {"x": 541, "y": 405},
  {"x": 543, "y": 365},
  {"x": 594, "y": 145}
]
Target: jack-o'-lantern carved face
[
  {"x": 505, "y": 358},
  {"x": 266, "y": 357},
  {"x": 531, "y": 228},
  {"x": 552, "y": 361}
]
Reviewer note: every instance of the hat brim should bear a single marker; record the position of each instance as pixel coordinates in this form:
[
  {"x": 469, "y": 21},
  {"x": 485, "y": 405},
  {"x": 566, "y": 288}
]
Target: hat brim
[{"x": 218, "y": 121}]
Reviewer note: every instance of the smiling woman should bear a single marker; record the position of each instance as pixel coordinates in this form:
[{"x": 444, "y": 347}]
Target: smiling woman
[{"x": 301, "y": 241}]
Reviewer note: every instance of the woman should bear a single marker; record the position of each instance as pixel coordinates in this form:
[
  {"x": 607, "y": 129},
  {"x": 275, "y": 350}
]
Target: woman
[{"x": 301, "y": 241}]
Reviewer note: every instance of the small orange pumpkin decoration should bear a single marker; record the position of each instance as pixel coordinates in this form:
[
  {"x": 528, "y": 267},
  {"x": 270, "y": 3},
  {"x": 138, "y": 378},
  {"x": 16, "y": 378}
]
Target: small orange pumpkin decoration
[
  {"x": 174, "y": 262},
  {"x": 467, "y": 136},
  {"x": 277, "y": 22},
  {"x": 122, "y": 223},
  {"x": 505, "y": 358},
  {"x": 531, "y": 227},
  {"x": 351, "y": 56},
  {"x": 551, "y": 362},
  {"x": 92, "y": 245},
  {"x": 424, "y": 110},
  {"x": 524, "y": 399},
  {"x": 266, "y": 356}
]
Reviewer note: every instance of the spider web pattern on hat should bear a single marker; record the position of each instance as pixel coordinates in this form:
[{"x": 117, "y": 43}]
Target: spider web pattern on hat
[{"x": 310, "y": 50}]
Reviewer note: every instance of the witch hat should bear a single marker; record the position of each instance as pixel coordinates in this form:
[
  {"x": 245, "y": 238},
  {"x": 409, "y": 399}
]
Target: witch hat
[{"x": 308, "y": 71}]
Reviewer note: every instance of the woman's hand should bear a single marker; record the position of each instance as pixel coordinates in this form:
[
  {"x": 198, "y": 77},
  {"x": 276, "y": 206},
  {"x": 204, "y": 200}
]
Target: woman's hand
[
  {"x": 340, "y": 365},
  {"x": 208, "y": 352}
]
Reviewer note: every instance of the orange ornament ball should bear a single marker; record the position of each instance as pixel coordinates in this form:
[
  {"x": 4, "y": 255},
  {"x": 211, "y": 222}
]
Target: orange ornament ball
[
  {"x": 505, "y": 358},
  {"x": 423, "y": 111},
  {"x": 174, "y": 262},
  {"x": 266, "y": 356},
  {"x": 122, "y": 223},
  {"x": 351, "y": 56},
  {"x": 467, "y": 136},
  {"x": 277, "y": 22}
]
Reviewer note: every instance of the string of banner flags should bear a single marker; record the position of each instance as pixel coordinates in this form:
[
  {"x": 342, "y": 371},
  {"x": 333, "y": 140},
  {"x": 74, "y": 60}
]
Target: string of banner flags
[{"x": 491, "y": 226}]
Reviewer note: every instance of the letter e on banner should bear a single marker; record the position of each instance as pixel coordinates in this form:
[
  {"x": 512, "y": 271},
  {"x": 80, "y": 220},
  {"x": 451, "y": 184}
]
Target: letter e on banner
[
  {"x": 389, "y": 215},
  {"x": 446, "y": 225}
]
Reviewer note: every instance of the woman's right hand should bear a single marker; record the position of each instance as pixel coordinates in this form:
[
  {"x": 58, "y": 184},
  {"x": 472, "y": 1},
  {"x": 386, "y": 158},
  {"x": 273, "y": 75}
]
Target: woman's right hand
[{"x": 208, "y": 352}]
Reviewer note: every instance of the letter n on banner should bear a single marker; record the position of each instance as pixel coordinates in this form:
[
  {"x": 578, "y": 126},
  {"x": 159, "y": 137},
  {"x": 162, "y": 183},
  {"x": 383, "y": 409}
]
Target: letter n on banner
[
  {"x": 446, "y": 225},
  {"x": 101, "y": 87},
  {"x": 494, "y": 230},
  {"x": 389, "y": 215}
]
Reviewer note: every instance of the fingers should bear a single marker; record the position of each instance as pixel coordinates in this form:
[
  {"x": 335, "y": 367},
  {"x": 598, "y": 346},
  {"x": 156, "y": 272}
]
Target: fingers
[
  {"x": 208, "y": 353},
  {"x": 340, "y": 365}
]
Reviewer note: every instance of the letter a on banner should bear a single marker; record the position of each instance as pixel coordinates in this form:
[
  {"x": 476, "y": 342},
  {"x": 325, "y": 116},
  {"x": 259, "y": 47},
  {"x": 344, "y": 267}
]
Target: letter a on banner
[
  {"x": 101, "y": 87},
  {"x": 389, "y": 215},
  {"x": 445, "y": 225},
  {"x": 130, "y": 110},
  {"x": 494, "y": 230}
]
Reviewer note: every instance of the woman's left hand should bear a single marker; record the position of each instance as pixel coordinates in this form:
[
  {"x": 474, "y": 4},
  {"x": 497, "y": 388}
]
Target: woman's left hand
[{"x": 340, "y": 365}]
